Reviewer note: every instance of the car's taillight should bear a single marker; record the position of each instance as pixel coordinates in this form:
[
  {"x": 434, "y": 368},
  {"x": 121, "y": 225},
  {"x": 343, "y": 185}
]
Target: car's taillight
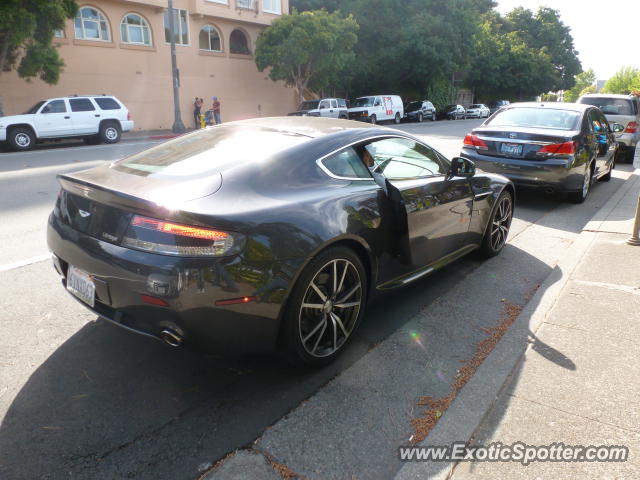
[
  {"x": 475, "y": 141},
  {"x": 128, "y": 115},
  {"x": 566, "y": 148},
  {"x": 632, "y": 127},
  {"x": 169, "y": 238}
]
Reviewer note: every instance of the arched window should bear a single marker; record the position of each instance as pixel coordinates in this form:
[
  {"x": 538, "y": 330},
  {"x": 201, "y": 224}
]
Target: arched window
[
  {"x": 135, "y": 29},
  {"x": 238, "y": 43},
  {"x": 91, "y": 24},
  {"x": 210, "y": 39}
]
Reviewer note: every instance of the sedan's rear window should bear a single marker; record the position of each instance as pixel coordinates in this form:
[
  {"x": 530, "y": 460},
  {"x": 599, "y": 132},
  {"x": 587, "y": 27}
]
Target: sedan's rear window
[
  {"x": 610, "y": 106},
  {"x": 536, "y": 118},
  {"x": 209, "y": 151}
]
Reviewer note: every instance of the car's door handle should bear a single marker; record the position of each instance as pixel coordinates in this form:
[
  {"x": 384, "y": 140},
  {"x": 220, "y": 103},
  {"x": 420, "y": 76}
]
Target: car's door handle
[
  {"x": 67, "y": 118},
  {"x": 97, "y": 115}
]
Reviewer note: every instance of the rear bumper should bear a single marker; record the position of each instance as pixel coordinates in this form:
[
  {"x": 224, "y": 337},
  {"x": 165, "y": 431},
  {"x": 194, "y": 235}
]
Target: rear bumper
[
  {"x": 189, "y": 286},
  {"x": 127, "y": 125},
  {"x": 628, "y": 141},
  {"x": 558, "y": 174}
]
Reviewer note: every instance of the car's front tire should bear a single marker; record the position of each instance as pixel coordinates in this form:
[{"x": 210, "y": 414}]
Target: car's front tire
[
  {"x": 110, "y": 132},
  {"x": 21, "y": 139},
  {"x": 420, "y": 118},
  {"x": 433, "y": 117},
  {"x": 374, "y": 120},
  {"x": 396, "y": 119},
  {"x": 325, "y": 307},
  {"x": 497, "y": 232}
]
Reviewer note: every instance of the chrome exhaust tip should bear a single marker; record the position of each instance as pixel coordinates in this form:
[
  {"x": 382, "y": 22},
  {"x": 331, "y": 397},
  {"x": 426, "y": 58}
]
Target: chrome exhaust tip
[{"x": 171, "y": 338}]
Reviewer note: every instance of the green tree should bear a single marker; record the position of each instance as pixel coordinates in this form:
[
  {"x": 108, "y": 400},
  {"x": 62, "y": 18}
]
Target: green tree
[
  {"x": 583, "y": 81},
  {"x": 545, "y": 32},
  {"x": 624, "y": 81},
  {"x": 307, "y": 49},
  {"x": 26, "y": 32}
]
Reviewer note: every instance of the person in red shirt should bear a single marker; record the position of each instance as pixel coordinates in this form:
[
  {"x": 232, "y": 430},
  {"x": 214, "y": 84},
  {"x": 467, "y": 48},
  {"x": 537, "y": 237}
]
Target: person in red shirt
[{"x": 216, "y": 110}]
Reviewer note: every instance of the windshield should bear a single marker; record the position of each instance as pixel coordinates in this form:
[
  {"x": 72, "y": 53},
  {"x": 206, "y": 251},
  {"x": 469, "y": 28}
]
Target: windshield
[
  {"x": 208, "y": 151},
  {"x": 35, "y": 108},
  {"x": 363, "y": 102},
  {"x": 451, "y": 107},
  {"x": 475, "y": 106},
  {"x": 610, "y": 106},
  {"x": 309, "y": 105},
  {"x": 411, "y": 106},
  {"x": 536, "y": 117}
]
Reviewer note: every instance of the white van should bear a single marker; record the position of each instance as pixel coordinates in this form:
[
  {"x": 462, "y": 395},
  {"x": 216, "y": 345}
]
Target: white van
[{"x": 377, "y": 108}]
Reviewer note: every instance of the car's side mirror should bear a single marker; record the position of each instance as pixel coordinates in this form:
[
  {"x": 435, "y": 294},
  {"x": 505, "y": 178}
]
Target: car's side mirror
[
  {"x": 617, "y": 128},
  {"x": 462, "y": 167},
  {"x": 377, "y": 104}
]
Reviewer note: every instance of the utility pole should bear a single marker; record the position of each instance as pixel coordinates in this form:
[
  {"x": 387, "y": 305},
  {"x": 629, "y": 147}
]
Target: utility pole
[{"x": 178, "y": 126}]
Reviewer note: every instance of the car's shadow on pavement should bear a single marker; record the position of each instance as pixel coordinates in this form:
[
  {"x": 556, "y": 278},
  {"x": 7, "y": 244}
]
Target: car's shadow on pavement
[{"x": 111, "y": 404}]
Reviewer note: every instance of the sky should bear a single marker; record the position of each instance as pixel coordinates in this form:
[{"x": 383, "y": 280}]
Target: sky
[{"x": 605, "y": 33}]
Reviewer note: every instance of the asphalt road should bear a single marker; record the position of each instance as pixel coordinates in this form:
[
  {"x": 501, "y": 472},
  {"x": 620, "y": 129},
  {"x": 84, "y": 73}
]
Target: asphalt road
[{"x": 82, "y": 399}]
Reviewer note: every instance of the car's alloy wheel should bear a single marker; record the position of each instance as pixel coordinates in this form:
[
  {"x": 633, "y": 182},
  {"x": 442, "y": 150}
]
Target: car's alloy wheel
[
  {"x": 433, "y": 117},
  {"x": 374, "y": 120},
  {"x": 581, "y": 196},
  {"x": 498, "y": 229},
  {"x": 607, "y": 176},
  {"x": 420, "y": 118},
  {"x": 110, "y": 133},
  {"x": 21, "y": 139},
  {"x": 396, "y": 120},
  {"x": 326, "y": 306}
]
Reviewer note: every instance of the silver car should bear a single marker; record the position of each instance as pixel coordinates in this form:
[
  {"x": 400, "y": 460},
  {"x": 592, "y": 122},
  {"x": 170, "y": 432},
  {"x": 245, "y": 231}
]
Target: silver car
[
  {"x": 622, "y": 109},
  {"x": 477, "y": 110}
]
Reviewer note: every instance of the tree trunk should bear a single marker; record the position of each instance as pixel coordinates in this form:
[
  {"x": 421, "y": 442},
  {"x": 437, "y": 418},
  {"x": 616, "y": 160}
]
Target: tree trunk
[{"x": 4, "y": 51}]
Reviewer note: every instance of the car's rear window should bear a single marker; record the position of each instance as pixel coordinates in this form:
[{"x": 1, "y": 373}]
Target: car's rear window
[
  {"x": 209, "y": 151},
  {"x": 610, "y": 106},
  {"x": 106, "y": 103},
  {"x": 553, "y": 118}
]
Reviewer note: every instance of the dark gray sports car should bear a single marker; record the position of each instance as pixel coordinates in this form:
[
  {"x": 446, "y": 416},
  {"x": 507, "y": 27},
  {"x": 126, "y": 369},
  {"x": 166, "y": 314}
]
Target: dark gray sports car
[{"x": 269, "y": 234}]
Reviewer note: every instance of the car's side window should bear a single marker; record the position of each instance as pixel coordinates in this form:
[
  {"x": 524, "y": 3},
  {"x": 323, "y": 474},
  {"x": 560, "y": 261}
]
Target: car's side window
[
  {"x": 106, "y": 103},
  {"x": 346, "y": 164},
  {"x": 402, "y": 158},
  {"x": 81, "y": 105},
  {"x": 324, "y": 104},
  {"x": 334, "y": 104},
  {"x": 55, "y": 106}
]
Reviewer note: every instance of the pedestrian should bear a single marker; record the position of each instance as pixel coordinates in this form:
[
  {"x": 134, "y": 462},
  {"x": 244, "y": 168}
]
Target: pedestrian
[
  {"x": 197, "y": 105},
  {"x": 216, "y": 110}
]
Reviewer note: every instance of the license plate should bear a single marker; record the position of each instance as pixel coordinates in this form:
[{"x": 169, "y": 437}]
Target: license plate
[
  {"x": 511, "y": 149},
  {"x": 79, "y": 283}
]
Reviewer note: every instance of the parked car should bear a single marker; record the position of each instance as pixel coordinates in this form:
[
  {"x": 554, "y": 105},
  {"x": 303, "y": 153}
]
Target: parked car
[
  {"x": 622, "y": 109},
  {"x": 453, "y": 112},
  {"x": 477, "y": 110},
  {"x": 377, "y": 108},
  {"x": 326, "y": 107},
  {"x": 418, "y": 111},
  {"x": 497, "y": 105},
  {"x": 283, "y": 254},
  {"x": 95, "y": 118},
  {"x": 559, "y": 147}
]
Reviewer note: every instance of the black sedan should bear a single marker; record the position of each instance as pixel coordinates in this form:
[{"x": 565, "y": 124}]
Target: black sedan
[
  {"x": 269, "y": 234},
  {"x": 559, "y": 147},
  {"x": 453, "y": 112}
]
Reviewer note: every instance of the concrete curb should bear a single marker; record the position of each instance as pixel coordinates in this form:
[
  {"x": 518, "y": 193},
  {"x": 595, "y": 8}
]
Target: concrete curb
[{"x": 475, "y": 400}]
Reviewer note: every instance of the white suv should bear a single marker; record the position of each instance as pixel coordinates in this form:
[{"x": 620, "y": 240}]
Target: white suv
[{"x": 94, "y": 118}]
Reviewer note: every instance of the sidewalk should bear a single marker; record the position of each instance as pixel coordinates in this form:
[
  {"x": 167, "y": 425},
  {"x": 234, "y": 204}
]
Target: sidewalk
[
  {"x": 577, "y": 382},
  {"x": 138, "y": 135}
]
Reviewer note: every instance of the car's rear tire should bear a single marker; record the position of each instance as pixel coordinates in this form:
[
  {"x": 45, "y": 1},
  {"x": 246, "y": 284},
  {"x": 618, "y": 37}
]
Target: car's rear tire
[
  {"x": 21, "y": 139},
  {"x": 326, "y": 305},
  {"x": 396, "y": 119},
  {"x": 581, "y": 196},
  {"x": 374, "y": 120},
  {"x": 497, "y": 231},
  {"x": 629, "y": 154},
  {"x": 110, "y": 132}
]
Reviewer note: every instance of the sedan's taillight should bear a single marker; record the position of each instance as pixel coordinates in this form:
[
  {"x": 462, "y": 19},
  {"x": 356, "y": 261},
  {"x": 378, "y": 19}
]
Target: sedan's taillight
[
  {"x": 632, "y": 127},
  {"x": 169, "y": 238},
  {"x": 566, "y": 148},
  {"x": 475, "y": 141}
]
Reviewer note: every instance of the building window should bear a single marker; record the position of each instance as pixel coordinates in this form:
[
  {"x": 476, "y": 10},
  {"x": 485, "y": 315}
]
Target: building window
[
  {"x": 210, "y": 39},
  {"x": 90, "y": 24},
  {"x": 272, "y": 6},
  {"x": 180, "y": 25},
  {"x": 135, "y": 29},
  {"x": 238, "y": 43},
  {"x": 59, "y": 33},
  {"x": 224, "y": 2},
  {"x": 244, "y": 4}
]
